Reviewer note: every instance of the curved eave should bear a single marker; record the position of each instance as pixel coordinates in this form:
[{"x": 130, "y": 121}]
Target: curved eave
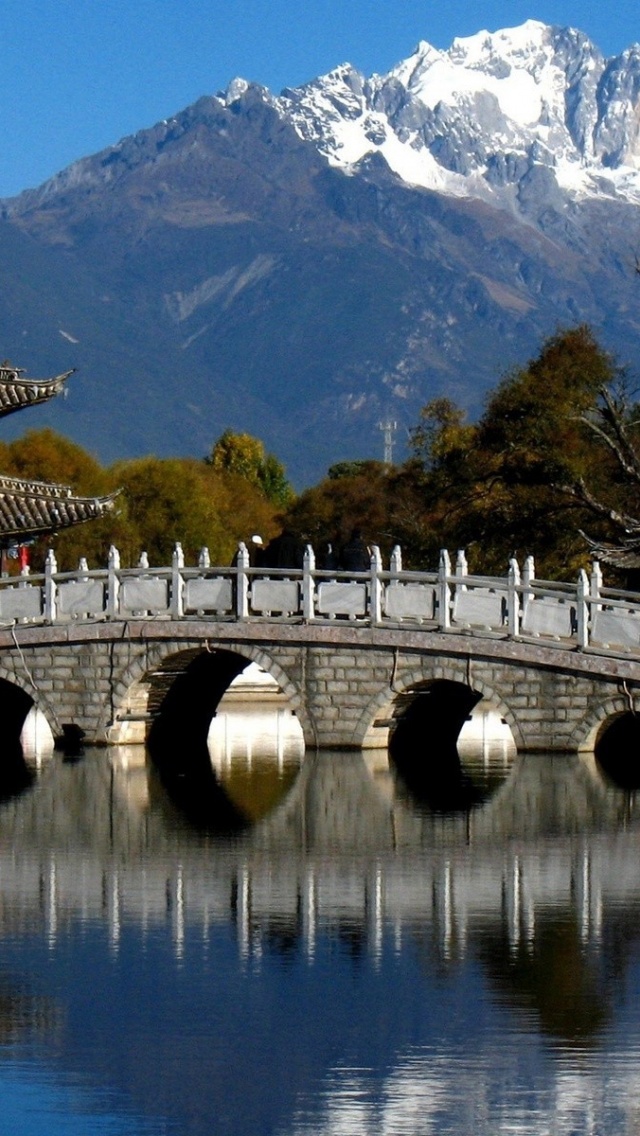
[
  {"x": 17, "y": 392},
  {"x": 24, "y": 515}
]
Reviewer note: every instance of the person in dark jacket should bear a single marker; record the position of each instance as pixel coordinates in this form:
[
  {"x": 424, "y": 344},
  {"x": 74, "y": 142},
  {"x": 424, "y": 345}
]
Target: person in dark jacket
[
  {"x": 356, "y": 555},
  {"x": 284, "y": 551},
  {"x": 328, "y": 559}
]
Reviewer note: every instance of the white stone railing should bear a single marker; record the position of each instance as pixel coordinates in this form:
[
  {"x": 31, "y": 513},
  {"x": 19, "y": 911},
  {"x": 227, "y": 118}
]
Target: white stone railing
[{"x": 583, "y": 615}]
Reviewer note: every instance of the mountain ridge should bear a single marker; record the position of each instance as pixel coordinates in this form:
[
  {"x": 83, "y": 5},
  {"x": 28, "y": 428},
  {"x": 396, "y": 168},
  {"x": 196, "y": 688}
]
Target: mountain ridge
[{"x": 238, "y": 265}]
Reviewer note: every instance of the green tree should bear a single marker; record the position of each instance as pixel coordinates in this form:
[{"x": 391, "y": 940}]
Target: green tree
[{"x": 244, "y": 455}]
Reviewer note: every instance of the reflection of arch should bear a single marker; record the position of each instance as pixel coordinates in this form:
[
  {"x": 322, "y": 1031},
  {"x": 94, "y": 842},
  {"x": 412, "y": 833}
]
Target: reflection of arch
[
  {"x": 384, "y": 704},
  {"x": 133, "y": 688}
]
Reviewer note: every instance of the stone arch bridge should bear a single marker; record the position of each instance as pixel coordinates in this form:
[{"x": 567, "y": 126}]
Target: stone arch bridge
[
  {"x": 97, "y": 650},
  {"x": 345, "y": 683}
]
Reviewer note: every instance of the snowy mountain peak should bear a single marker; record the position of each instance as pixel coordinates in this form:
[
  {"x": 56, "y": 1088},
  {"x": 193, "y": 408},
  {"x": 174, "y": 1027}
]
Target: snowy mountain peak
[{"x": 489, "y": 116}]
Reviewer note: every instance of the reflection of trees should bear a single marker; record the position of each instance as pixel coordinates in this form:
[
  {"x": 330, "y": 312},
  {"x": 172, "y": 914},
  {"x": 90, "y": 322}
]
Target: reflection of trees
[
  {"x": 555, "y": 976},
  {"x": 256, "y": 791},
  {"x": 23, "y": 1013}
]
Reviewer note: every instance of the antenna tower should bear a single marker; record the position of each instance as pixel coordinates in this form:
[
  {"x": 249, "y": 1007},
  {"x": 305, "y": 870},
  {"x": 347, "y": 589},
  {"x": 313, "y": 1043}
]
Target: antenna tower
[{"x": 388, "y": 428}]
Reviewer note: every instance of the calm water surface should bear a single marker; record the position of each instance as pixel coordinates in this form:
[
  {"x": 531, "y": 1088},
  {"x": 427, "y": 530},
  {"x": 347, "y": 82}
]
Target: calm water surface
[{"x": 328, "y": 954}]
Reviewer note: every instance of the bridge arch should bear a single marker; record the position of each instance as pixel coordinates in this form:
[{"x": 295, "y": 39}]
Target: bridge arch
[
  {"x": 597, "y": 720},
  {"x": 384, "y": 704},
  {"x": 19, "y": 696},
  {"x": 137, "y": 690}
]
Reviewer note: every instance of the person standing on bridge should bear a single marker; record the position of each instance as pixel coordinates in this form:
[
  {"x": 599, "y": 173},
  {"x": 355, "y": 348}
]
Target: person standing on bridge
[
  {"x": 356, "y": 554},
  {"x": 284, "y": 551}
]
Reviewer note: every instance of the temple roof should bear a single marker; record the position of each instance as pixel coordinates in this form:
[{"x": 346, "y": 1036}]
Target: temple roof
[
  {"x": 17, "y": 392},
  {"x": 34, "y": 508}
]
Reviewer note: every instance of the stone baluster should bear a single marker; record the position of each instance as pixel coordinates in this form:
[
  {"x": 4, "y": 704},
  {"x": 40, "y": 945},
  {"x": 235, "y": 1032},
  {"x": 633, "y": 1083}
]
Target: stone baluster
[
  {"x": 83, "y": 568},
  {"x": 177, "y": 581},
  {"x": 462, "y": 570},
  {"x": 308, "y": 584},
  {"x": 113, "y": 582},
  {"x": 375, "y": 598},
  {"x": 204, "y": 560},
  {"x": 444, "y": 591},
  {"x": 143, "y": 561},
  {"x": 242, "y": 581},
  {"x": 513, "y": 613},
  {"x": 582, "y": 609},
  {"x": 596, "y": 586},
  {"x": 395, "y": 566},
  {"x": 528, "y": 576},
  {"x": 50, "y": 587}
]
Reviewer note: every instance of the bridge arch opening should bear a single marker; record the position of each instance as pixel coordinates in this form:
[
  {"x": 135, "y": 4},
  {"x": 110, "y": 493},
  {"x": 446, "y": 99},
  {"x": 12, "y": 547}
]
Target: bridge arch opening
[
  {"x": 617, "y": 749},
  {"x": 221, "y": 734},
  {"x": 448, "y": 746},
  {"x": 25, "y": 739}
]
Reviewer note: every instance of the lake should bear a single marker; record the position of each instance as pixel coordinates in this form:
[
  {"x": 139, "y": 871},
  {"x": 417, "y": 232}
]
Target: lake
[{"x": 314, "y": 945}]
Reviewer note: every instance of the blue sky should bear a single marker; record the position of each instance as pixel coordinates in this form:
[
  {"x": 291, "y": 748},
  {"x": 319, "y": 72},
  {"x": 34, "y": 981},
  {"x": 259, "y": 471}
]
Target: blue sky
[{"x": 77, "y": 75}]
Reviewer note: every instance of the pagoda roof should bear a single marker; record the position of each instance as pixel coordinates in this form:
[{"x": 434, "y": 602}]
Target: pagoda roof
[
  {"x": 34, "y": 508},
  {"x": 17, "y": 391}
]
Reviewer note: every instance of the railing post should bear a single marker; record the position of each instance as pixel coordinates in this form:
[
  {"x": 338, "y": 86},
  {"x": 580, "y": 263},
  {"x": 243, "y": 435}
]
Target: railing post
[
  {"x": 596, "y": 585},
  {"x": 444, "y": 591},
  {"x": 50, "y": 569},
  {"x": 582, "y": 609},
  {"x": 375, "y": 599},
  {"x": 395, "y": 566},
  {"x": 513, "y": 614},
  {"x": 204, "y": 560},
  {"x": 113, "y": 582},
  {"x": 308, "y": 584},
  {"x": 177, "y": 583},
  {"x": 83, "y": 568},
  {"x": 143, "y": 561},
  {"x": 528, "y": 576},
  {"x": 242, "y": 582}
]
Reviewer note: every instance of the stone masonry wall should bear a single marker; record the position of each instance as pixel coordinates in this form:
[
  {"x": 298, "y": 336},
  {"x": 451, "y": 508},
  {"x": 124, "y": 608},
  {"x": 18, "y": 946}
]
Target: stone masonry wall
[{"x": 338, "y": 688}]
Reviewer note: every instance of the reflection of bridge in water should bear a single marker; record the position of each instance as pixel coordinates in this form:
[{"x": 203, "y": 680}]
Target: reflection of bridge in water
[{"x": 99, "y": 841}]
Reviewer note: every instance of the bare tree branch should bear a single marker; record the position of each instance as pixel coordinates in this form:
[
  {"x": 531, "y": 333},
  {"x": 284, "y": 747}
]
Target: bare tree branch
[{"x": 579, "y": 492}]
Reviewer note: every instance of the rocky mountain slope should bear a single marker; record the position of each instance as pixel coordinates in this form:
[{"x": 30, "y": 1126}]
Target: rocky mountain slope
[{"x": 303, "y": 266}]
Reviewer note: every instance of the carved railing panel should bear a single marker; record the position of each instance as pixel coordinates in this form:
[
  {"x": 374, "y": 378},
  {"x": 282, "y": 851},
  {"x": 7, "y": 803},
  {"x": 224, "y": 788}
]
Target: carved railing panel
[{"x": 584, "y": 615}]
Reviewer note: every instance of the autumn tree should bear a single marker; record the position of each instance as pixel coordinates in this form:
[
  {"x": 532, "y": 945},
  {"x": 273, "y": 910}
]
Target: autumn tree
[
  {"x": 245, "y": 456},
  {"x": 360, "y": 494},
  {"x": 502, "y": 486},
  {"x": 44, "y": 455}
]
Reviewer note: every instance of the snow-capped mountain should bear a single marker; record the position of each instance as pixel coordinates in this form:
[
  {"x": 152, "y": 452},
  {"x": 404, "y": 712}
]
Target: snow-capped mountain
[
  {"x": 484, "y": 116},
  {"x": 304, "y": 265}
]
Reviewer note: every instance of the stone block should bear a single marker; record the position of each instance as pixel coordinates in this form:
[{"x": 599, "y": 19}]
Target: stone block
[{"x": 336, "y": 687}]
